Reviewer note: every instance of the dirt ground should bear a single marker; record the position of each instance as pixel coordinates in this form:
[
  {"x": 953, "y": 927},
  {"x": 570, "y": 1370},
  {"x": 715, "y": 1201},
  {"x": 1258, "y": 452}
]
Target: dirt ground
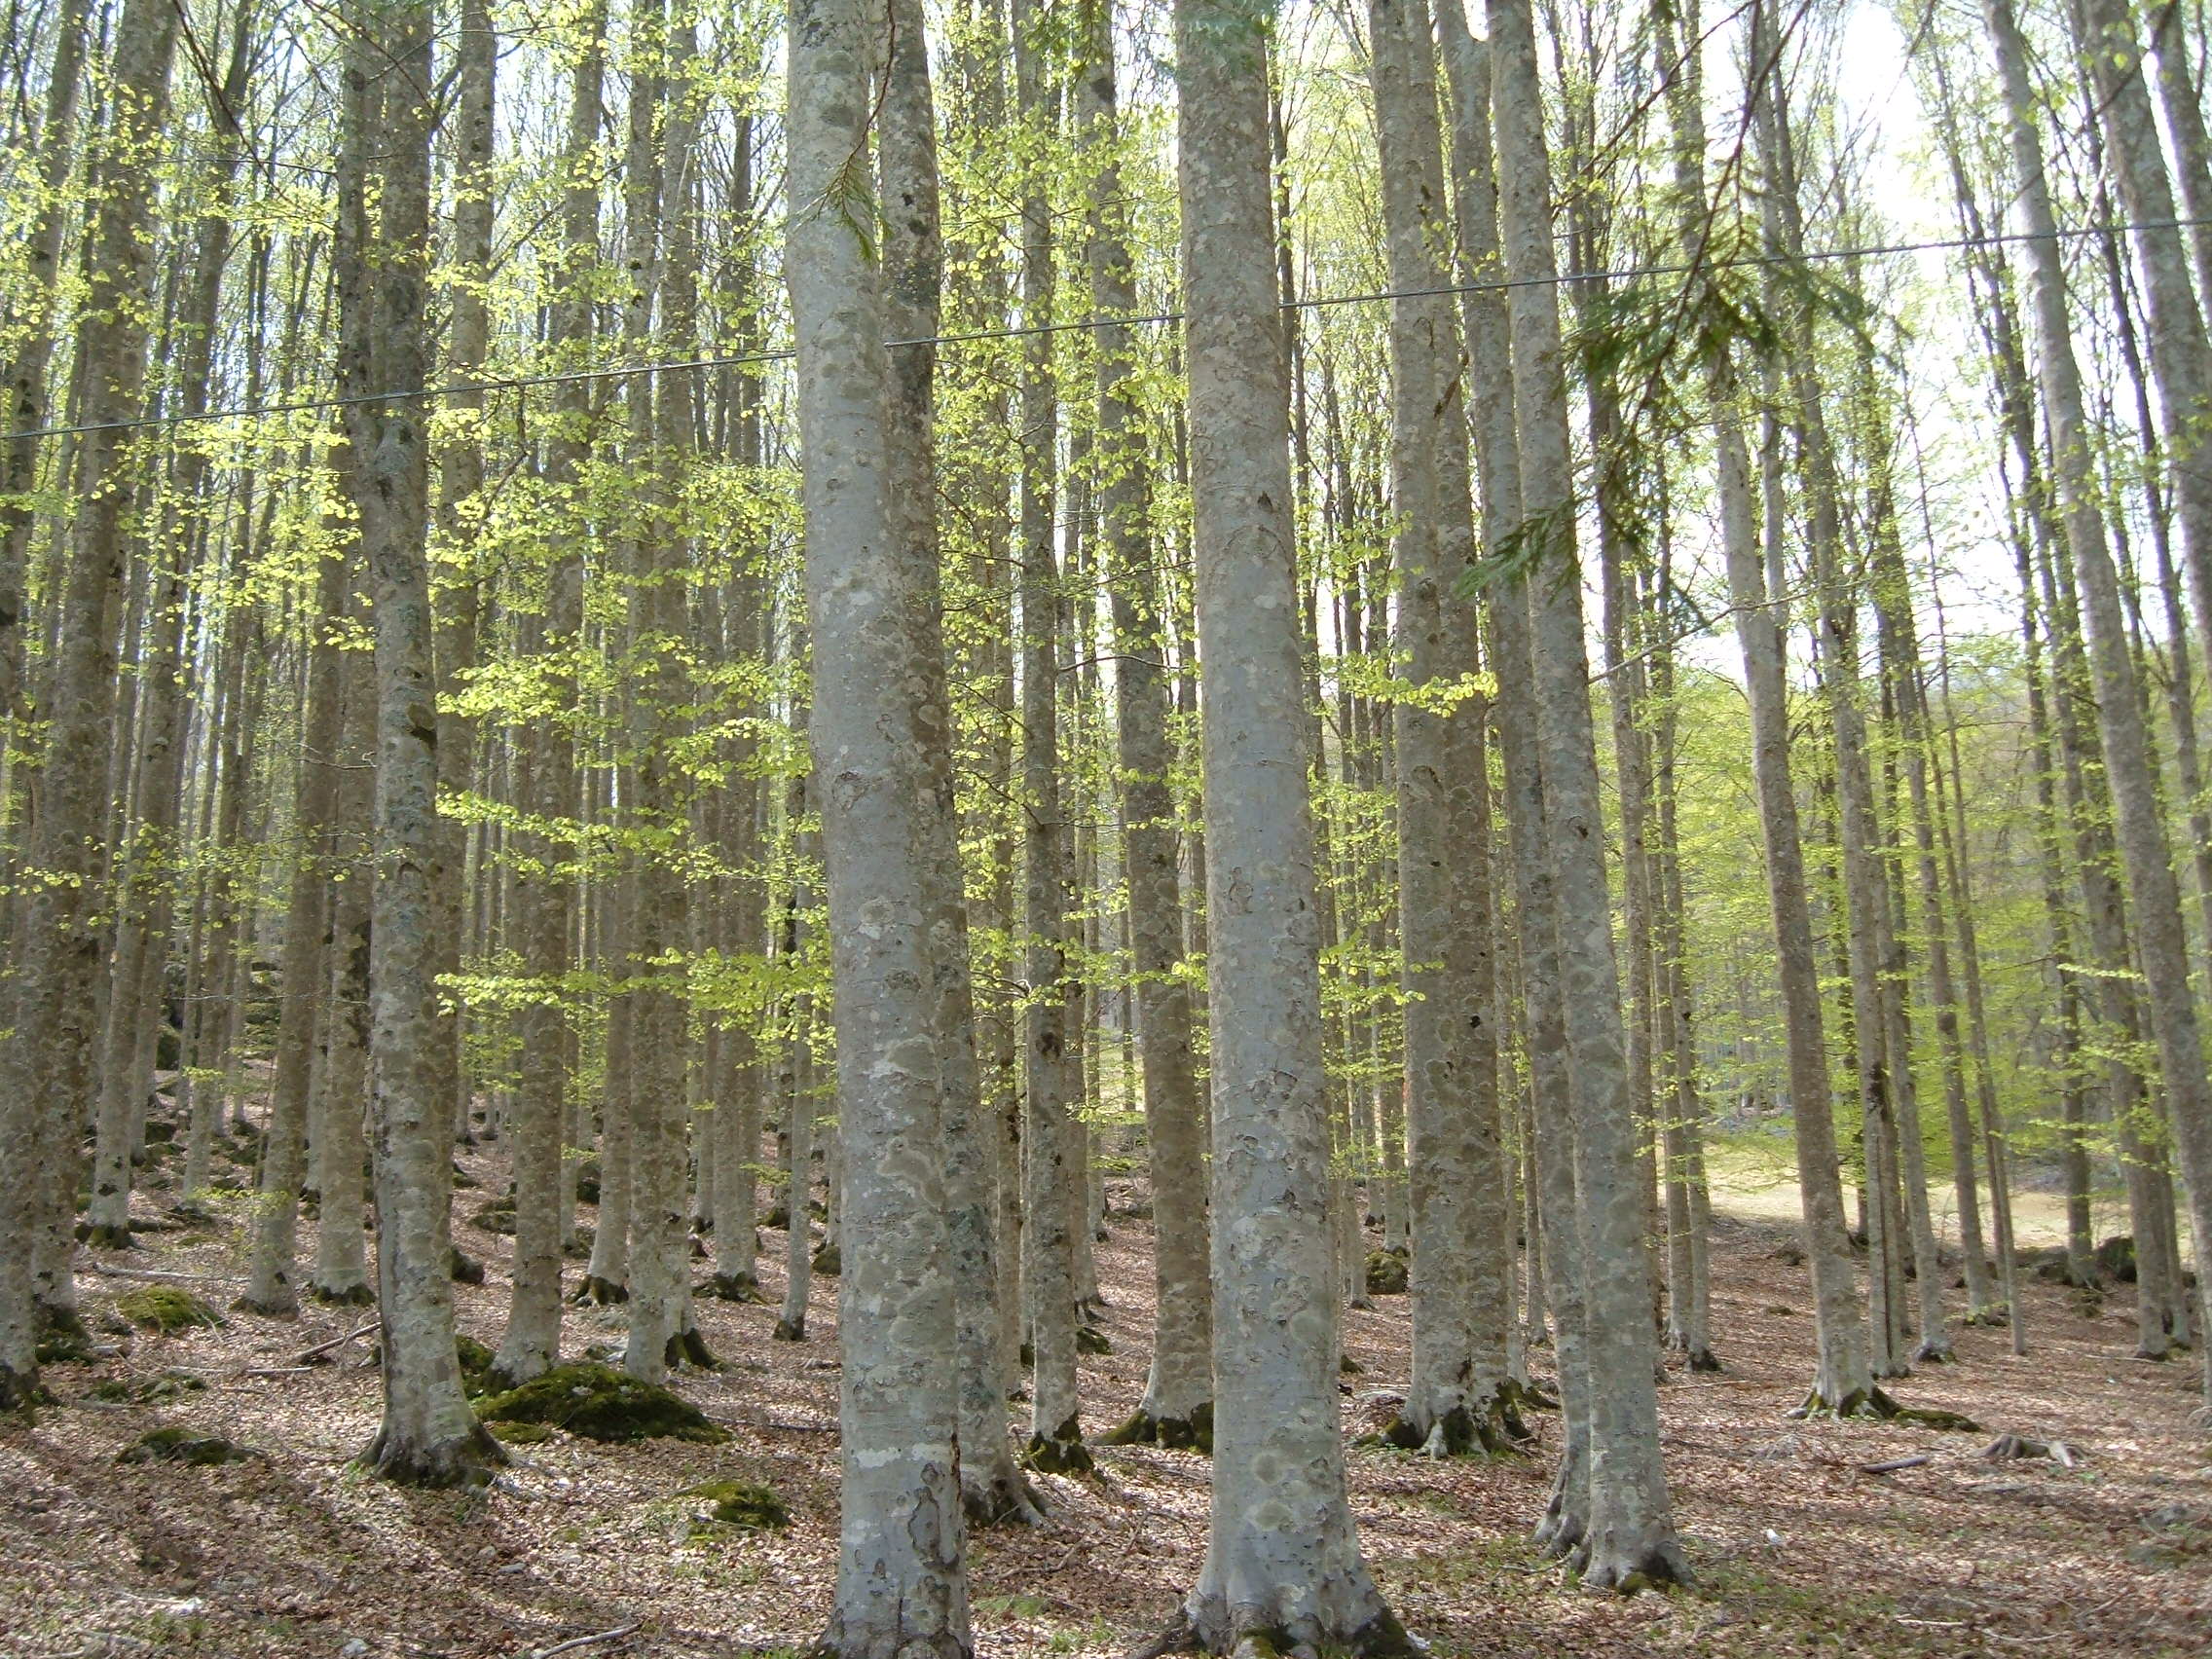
[{"x": 1795, "y": 1549}]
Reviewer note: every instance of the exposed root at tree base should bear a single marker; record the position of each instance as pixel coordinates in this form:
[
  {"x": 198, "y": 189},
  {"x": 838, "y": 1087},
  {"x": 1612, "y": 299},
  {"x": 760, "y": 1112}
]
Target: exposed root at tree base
[
  {"x": 598, "y": 1292},
  {"x": 465, "y": 1460},
  {"x": 734, "y": 1287},
  {"x": 1191, "y": 1433},
  {"x": 1650, "y": 1567},
  {"x": 791, "y": 1330},
  {"x": 343, "y": 1296},
  {"x": 1873, "y": 1404},
  {"x": 1382, "y": 1637},
  {"x": 689, "y": 1348},
  {"x": 1008, "y": 1500},
  {"x": 1060, "y": 1453},
  {"x": 21, "y": 1394},
  {"x": 106, "y": 1237}
]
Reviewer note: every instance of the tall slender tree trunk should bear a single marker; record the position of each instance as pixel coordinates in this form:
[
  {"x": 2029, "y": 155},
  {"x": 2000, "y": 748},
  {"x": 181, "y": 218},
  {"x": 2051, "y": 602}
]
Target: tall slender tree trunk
[
  {"x": 1048, "y": 1141},
  {"x": 1177, "y": 1407},
  {"x": 545, "y": 772},
  {"x": 902, "y": 1585},
  {"x": 302, "y": 971},
  {"x": 1630, "y": 1542},
  {"x": 428, "y": 1435},
  {"x": 460, "y": 512},
  {"x": 46, "y": 1061},
  {"x": 992, "y": 1487},
  {"x": 1842, "y": 1383},
  {"x": 1452, "y": 1401},
  {"x": 1282, "y": 1565},
  {"x": 2160, "y": 932}
]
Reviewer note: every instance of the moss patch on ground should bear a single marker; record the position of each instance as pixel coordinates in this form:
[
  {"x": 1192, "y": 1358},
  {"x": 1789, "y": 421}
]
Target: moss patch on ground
[
  {"x": 166, "y": 1309},
  {"x": 599, "y": 1403},
  {"x": 743, "y": 1503}
]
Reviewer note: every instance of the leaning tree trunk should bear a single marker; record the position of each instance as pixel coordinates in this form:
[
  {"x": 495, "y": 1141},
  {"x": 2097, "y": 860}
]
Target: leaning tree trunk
[
  {"x": 2160, "y": 937},
  {"x": 428, "y": 1435},
  {"x": 1282, "y": 1567},
  {"x": 1843, "y": 1381},
  {"x": 902, "y": 1587}
]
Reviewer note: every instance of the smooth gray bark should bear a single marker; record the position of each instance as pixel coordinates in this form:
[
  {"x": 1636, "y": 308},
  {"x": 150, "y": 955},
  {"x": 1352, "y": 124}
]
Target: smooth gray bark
[
  {"x": 1631, "y": 1537},
  {"x": 1282, "y": 1565},
  {"x": 1177, "y": 1407},
  {"x": 46, "y": 1062},
  {"x": 301, "y": 970},
  {"x": 2146, "y": 856},
  {"x": 428, "y": 1435},
  {"x": 992, "y": 1487},
  {"x": 1450, "y": 1052},
  {"x": 902, "y": 1587}
]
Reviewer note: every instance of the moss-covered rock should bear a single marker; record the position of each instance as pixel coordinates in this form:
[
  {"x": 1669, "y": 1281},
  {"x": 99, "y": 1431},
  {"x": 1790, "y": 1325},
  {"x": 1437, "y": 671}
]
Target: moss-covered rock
[
  {"x": 599, "y": 1403},
  {"x": 182, "y": 1446},
  {"x": 2115, "y": 1258},
  {"x": 1386, "y": 1273},
  {"x": 168, "y": 1385},
  {"x": 743, "y": 1503},
  {"x": 1089, "y": 1338},
  {"x": 522, "y": 1433},
  {"x": 587, "y": 1181},
  {"x": 497, "y": 1216},
  {"x": 166, "y": 1308},
  {"x": 829, "y": 1261}
]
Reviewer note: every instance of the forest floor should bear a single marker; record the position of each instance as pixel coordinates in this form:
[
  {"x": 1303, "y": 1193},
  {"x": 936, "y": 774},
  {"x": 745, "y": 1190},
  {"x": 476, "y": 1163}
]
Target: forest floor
[{"x": 1796, "y": 1549}]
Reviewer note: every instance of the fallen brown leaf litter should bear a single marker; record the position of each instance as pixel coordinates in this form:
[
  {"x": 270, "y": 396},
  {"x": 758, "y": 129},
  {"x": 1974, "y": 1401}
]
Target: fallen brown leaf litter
[{"x": 1807, "y": 1537}]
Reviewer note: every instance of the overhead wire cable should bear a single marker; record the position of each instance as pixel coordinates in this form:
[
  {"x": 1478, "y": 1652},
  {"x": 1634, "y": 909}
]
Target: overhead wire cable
[{"x": 1318, "y": 302}]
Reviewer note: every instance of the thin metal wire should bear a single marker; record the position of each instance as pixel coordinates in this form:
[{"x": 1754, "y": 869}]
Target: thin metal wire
[{"x": 624, "y": 371}]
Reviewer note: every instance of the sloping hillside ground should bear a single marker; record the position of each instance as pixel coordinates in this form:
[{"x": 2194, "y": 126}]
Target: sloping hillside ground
[{"x": 1796, "y": 1548}]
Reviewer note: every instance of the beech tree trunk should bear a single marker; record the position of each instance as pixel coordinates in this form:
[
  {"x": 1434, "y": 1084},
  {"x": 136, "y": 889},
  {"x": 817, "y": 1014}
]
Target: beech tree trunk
[
  {"x": 1630, "y": 1542},
  {"x": 1282, "y": 1565},
  {"x": 902, "y": 1585},
  {"x": 428, "y": 1435},
  {"x": 46, "y": 1062}
]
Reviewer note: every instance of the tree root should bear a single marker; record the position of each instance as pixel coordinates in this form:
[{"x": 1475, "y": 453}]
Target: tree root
[
  {"x": 599, "y": 1292},
  {"x": 465, "y": 1460},
  {"x": 689, "y": 1348},
  {"x": 1060, "y": 1453},
  {"x": 1458, "y": 1433},
  {"x": 110, "y": 1238},
  {"x": 1936, "y": 1350},
  {"x": 1647, "y": 1567},
  {"x": 343, "y": 1296},
  {"x": 734, "y": 1287},
  {"x": 1382, "y": 1637},
  {"x": 21, "y": 1394},
  {"x": 1191, "y": 1433},
  {"x": 791, "y": 1330},
  {"x": 1006, "y": 1501},
  {"x": 1874, "y": 1405}
]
